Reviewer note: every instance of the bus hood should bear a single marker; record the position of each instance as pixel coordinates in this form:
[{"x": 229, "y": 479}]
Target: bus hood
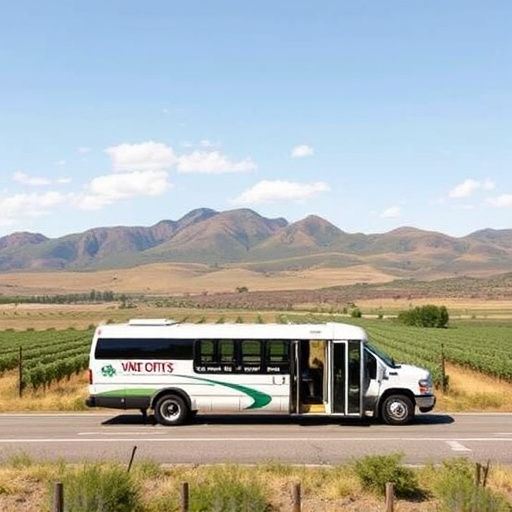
[{"x": 417, "y": 380}]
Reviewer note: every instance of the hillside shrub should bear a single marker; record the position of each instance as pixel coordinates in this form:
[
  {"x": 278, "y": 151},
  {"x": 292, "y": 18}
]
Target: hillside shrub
[
  {"x": 95, "y": 488},
  {"x": 228, "y": 490},
  {"x": 374, "y": 471},
  {"x": 356, "y": 313},
  {"x": 429, "y": 315},
  {"x": 456, "y": 488}
]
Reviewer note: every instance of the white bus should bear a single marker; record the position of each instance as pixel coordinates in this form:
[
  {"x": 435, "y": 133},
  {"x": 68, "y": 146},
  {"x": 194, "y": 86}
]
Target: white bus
[{"x": 179, "y": 369}]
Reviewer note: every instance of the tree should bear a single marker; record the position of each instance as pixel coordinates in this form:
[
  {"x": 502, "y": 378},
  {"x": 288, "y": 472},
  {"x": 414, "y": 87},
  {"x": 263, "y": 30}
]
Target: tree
[{"x": 425, "y": 316}]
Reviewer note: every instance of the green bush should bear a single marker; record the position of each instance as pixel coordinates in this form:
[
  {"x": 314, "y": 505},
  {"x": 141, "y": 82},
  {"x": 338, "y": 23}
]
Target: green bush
[
  {"x": 425, "y": 316},
  {"x": 374, "y": 471},
  {"x": 456, "y": 489},
  {"x": 356, "y": 313},
  {"x": 101, "y": 489},
  {"x": 227, "y": 491}
]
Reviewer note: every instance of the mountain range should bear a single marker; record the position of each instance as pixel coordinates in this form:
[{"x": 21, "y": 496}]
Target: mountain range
[{"x": 243, "y": 238}]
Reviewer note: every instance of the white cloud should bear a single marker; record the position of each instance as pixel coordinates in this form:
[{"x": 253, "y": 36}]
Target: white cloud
[
  {"x": 302, "y": 151},
  {"x": 146, "y": 156},
  {"x": 25, "y": 179},
  {"x": 29, "y": 205},
  {"x": 84, "y": 149},
  {"x": 268, "y": 191},
  {"x": 503, "y": 201},
  {"x": 488, "y": 185},
  {"x": 106, "y": 190},
  {"x": 469, "y": 187},
  {"x": 212, "y": 162},
  {"x": 391, "y": 212},
  {"x": 205, "y": 143},
  {"x": 61, "y": 163}
]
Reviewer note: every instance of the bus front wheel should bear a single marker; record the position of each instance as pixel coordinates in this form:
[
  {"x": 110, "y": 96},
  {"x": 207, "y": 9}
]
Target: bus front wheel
[
  {"x": 397, "y": 410},
  {"x": 171, "y": 410}
]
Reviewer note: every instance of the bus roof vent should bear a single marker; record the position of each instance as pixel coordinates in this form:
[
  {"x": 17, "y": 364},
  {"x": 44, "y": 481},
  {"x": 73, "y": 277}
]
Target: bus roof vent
[{"x": 151, "y": 321}]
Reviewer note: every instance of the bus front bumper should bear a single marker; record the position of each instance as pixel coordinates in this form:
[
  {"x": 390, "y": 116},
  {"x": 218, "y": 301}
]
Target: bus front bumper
[{"x": 425, "y": 403}]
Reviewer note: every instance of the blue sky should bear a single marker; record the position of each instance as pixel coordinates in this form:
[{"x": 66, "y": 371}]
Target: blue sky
[{"x": 372, "y": 114}]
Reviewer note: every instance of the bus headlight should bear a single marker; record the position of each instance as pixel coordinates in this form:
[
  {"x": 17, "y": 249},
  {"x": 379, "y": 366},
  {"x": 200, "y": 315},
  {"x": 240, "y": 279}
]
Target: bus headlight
[{"x": 425, "y": 386}]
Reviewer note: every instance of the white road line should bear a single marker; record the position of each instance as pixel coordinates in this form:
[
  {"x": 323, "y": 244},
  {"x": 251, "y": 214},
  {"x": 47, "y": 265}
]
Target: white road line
[
  {"x": 457, "y": 447},
  {"x": 126, "y": 433},
  {"x": 454, "y": 444}
]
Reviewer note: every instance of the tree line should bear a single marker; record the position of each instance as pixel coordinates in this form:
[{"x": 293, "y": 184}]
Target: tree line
[{"x": 68, "y": 298}]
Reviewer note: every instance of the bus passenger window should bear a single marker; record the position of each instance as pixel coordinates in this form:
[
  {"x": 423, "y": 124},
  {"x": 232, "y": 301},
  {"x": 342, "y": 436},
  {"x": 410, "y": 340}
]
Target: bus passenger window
[
  {"x": 226, "y": 351},
  {"x": 206, "y": 351},
  {"x": 277, "y": 352},
  {"x": 251, "y": 352}
]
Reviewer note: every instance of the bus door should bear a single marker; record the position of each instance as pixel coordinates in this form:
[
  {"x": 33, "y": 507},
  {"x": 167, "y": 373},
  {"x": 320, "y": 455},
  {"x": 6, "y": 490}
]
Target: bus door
[
  {"x": 307, "y": 382},
  {"x": 295, "y": 387},
  {"x": 347, "y": 378}
]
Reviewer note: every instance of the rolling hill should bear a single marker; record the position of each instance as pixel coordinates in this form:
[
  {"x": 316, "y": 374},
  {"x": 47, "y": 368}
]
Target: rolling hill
[{"x": 244, "y": 239}]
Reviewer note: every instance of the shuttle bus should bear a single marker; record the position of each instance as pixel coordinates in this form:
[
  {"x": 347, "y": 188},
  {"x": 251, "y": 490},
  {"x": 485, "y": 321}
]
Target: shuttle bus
[{"x": 179, "y": 369}]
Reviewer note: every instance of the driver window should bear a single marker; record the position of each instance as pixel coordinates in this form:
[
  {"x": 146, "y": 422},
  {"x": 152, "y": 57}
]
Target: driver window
[{"x": 371, "y": 365}]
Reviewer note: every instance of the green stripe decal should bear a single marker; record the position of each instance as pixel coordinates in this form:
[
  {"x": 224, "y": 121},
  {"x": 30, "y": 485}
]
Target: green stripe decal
[
  {"x": 129, "y": 392},
  {"x": 260, "y": 399}
]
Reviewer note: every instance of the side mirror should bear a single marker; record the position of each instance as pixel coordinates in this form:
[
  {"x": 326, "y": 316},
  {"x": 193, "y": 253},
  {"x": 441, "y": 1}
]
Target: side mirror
[{"x": 381, "y": 372}]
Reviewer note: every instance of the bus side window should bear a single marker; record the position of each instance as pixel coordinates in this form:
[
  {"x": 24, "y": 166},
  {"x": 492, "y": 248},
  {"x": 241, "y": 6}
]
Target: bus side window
[
  {"x": 206, "y": 351},
  {"x": 251, "y": 352},
  {"x": 277, "y": 352},
  {"x": 226, "y": 350}
]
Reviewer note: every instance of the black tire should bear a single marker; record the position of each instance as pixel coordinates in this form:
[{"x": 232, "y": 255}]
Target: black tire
[
  {"x": 171, "y": 410},
  {"x": 397, "y": 410}
]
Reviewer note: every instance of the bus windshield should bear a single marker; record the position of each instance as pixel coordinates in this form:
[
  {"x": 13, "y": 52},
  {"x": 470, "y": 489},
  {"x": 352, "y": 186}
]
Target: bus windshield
[{"x": 389, "y": 361}]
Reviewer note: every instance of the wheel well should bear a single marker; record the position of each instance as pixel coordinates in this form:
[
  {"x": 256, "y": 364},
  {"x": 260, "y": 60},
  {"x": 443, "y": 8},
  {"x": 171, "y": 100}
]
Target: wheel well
[
  {"x": 171, "y": 391},
  {"x": 394, "y": 391}
]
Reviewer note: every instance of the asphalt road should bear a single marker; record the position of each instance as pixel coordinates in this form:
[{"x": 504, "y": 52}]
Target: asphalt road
[{"x": 247, "y": 440}]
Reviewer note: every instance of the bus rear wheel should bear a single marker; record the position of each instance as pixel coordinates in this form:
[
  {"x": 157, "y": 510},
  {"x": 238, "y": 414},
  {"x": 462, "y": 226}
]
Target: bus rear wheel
[
  {"x": 397, "y": 410},
  {"x": 171, "y": 410}
]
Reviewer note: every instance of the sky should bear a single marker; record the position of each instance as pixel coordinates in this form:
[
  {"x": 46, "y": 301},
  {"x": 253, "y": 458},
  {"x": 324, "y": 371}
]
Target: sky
[{"x": 371, "y": 114}]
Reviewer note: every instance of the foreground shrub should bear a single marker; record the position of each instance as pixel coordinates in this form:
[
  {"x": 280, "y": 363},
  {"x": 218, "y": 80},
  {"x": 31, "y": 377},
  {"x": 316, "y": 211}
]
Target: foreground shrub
[
  {"x": 456, "y": 488},
  {"x": 228, "y": 490},
  {"x": 374, "y": 471},
  {"x": 101, "y": 489}
]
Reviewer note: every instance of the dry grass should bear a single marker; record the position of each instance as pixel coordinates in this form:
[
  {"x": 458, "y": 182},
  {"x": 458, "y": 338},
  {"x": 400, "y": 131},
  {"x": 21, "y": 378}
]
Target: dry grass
[
  {"x": 67, "y": 395},
  {"x": 471, "y": 391},
  {"x": 458, "y": 307},
  {"x": 178, "y": 279},
  {"x": 82, "y": 316},
  {"x": 27, "y": 486}
]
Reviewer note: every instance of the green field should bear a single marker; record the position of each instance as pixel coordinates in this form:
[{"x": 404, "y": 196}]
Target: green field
[{"x": 483, "y": 346}]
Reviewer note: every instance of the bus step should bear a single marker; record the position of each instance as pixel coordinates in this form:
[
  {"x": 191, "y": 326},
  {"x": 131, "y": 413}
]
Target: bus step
[{"x": 318, "y": 408}]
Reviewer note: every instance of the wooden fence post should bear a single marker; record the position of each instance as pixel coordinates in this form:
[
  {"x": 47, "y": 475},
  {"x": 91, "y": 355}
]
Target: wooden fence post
[
  {"x": 486, "y": 473},
  {"x": 390, "y": 497},
  {"x": 478, "y": 474},
  {"x": 443, "y": 370},
  {"x": 20, "y": 373},
  {"x": 296, "y": 498},
  {"x": 58, "y": 497},
  {"x": 184, "y": 497},
  {"x": 131, "y": 458}
]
